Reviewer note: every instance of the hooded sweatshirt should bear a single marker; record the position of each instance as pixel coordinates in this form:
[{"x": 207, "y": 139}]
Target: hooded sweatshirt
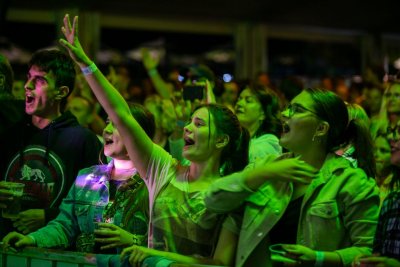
[{"x": 48, "y": 160}]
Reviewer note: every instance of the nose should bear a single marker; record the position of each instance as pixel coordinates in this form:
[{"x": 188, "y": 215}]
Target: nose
[
  {"x": 239, "y": 103},
  {"x": 187, "y": 129},
  {"x": 108, "y": 128},
  {"x": 28, "y": 85},
  {"x": 285, "y": 113}
]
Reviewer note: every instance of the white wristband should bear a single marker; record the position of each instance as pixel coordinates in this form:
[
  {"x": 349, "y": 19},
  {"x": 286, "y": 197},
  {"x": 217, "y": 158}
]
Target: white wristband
[
  {"x": 89, "y": 69},
  {"x": 319, "y": 259}
]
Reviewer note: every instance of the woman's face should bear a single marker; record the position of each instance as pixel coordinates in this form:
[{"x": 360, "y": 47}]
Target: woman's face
[
  {"x": 248, "y": 109},
  {"x": 393, "y": 98},
  {"x": 299, "y": 124},
  {"x": 382, "y": 154},
  {"x": 198, "y": 145},
  {"x": 113, "y": 146}
]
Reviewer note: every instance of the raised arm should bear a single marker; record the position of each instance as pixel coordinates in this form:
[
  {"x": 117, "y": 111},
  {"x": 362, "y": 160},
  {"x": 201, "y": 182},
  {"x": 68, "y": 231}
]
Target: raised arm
[
  {"x": 163, "y": 88},
  {"x": 138, "y": 144}
]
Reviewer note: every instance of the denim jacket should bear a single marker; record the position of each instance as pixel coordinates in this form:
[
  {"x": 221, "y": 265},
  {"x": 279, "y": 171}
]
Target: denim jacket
[
  {"x": 84, "y": 206},
  {"x": 339, "y": 212}
]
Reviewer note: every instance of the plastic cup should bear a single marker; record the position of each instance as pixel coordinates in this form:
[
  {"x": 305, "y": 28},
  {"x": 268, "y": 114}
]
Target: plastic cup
[
  {"x": 13, "y": 205},
  {"x": 278, "y": 254}
]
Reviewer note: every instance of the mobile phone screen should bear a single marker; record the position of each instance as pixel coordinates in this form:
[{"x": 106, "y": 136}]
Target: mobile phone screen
[{"x": 192, "y": 92}]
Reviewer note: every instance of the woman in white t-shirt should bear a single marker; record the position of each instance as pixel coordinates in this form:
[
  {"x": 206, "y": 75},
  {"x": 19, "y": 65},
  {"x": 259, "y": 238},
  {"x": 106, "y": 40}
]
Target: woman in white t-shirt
[{"x": 215, "y": 144}]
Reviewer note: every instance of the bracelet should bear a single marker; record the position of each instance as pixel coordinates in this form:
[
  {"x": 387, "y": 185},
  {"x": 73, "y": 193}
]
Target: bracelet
[
  {"x": 319, "y": 259},
  {"x": 89, "y": 69},
  {"x": 152, "y": 72}
]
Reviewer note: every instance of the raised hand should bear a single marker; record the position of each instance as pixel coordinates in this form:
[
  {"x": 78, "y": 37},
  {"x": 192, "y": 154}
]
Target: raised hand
[
  {"x": 148, "y": 61},
  {"x": 71, "y": 41}
]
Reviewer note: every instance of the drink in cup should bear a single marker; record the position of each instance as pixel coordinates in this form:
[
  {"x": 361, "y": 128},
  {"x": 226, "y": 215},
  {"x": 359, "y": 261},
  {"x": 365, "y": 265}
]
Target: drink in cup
[{"x": 16, "y": 191}]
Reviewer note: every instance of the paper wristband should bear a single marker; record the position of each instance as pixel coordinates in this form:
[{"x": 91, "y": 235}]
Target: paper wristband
[
  {"x": 319, "y": 259},
  {"x": 89, "y": 69}
]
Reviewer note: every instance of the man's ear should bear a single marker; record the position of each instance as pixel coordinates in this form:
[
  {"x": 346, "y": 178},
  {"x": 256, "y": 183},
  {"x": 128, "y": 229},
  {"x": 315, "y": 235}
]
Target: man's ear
[
  {"x": 2, "y": 81},
  {"x": 222, "y": 141},
  {"x": 322, "y": 129},
  {"x": 62, "y": 92}
]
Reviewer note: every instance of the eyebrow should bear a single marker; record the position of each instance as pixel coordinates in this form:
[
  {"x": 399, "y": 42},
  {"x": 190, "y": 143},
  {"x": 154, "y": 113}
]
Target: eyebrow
[{"x": 38, "y": 76}]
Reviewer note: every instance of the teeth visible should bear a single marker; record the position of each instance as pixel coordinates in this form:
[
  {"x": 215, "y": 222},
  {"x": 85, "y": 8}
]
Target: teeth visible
[
  {"x": 108, "y": 141},
  {"x": 188, "y": 141}
]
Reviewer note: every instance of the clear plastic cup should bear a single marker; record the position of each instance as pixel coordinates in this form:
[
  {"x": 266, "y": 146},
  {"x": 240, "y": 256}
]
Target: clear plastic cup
[{"x": 13, "y": 205}]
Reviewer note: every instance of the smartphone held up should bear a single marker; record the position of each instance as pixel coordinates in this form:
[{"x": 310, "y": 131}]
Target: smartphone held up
[{"x": 193, "y": 92}]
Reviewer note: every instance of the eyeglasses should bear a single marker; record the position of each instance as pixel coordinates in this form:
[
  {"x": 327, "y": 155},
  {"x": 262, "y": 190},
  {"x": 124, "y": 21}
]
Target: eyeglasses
[{"x": 297, "y": 108}]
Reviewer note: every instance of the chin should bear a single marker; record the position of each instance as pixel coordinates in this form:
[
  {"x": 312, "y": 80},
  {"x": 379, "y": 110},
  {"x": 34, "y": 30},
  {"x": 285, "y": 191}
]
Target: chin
[
  {"x": 107, "y": 153},
  {"x": 187, "y": 155},
  {"x": 29, "y": 111},
  {"x": 283, "y": 142}
]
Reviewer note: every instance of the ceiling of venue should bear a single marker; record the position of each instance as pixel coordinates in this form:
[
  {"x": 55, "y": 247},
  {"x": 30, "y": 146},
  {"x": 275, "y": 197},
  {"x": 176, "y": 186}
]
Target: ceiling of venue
[{"x": 371, "y": 16}]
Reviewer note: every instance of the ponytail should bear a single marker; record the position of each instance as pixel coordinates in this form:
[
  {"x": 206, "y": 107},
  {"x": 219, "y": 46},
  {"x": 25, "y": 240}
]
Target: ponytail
[{"x": 358, "y": 134}]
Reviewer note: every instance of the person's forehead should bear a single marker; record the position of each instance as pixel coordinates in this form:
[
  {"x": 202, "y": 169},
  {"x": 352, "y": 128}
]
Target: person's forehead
[
  {"x": 38, "y": 71},
  {"x": 304, "y": 99},
  {"x": 381, "y": 141},
  {"x": 201, "y": 113}
]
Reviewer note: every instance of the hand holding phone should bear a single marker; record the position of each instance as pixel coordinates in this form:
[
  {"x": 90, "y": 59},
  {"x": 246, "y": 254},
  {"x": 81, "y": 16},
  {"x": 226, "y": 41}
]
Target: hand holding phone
[{"x": 193, "y": 92}]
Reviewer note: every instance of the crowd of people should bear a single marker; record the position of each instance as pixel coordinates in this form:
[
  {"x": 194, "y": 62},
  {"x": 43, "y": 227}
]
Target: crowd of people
[{"x": 193, "y": 175}]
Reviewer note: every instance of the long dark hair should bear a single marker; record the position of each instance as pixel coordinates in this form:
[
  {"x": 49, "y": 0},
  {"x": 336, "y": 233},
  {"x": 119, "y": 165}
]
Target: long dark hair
[
  {"x": 234, "y": 156},
  {"x": 270, "y": 106},
  {"x": 342, "y": 131}
]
